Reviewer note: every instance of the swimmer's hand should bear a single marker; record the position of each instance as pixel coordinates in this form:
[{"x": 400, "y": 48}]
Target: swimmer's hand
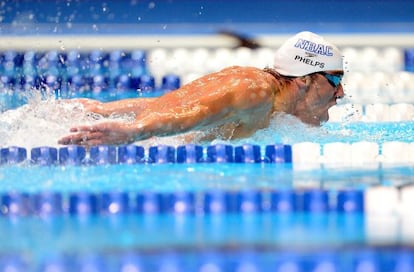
[{"x": 110, "y": 133}]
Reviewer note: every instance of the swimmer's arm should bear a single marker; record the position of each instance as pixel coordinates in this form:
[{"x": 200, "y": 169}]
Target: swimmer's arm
[
  {"x": 219, "y": 106},
  {"x": 125, "y": 106},
  {"x": 154, "y": 123},
  {"x": 223, "y": 106},
  {"x": 121, "y": 132},
  {"x": 172, "y": 121}
]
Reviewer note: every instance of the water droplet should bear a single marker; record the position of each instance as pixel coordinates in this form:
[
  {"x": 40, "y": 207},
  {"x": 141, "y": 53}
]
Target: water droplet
[
  {"x": 164, "y": 27},
  {"x": 151, "y": 5}
]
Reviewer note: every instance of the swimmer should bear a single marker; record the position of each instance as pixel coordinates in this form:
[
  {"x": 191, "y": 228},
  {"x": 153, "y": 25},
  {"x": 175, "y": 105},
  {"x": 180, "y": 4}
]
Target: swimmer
[{"x": 305, "y": 81}]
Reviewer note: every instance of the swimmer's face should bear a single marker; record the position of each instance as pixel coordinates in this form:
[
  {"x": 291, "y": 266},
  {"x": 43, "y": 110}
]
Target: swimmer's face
[{"x": 323, "y": 91}]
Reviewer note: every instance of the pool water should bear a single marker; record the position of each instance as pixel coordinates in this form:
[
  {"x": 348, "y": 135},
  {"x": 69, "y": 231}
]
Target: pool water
[
  {"x": 330, "y": 198},
  {"x": 185, "y": 236},
  {"x": 177, "y": 177},
  {"x": 71, "y": 230}
]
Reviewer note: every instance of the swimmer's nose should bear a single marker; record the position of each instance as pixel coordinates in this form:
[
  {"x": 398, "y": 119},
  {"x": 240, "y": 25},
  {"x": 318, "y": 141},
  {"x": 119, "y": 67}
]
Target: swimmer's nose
[{"x": 339, "y": 92}]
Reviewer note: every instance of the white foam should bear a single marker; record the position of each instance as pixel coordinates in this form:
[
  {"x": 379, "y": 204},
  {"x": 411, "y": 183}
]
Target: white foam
[{"x": 43, "y": 121}]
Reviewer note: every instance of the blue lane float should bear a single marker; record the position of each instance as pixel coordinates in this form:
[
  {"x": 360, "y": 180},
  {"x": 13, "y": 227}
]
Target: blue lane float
[
  {"x": 350, "y": 201},
  {"x": 316, "y": 201},
  {"x": 134, "y": 154},
  {"x": 244, "y": 258},
  {"x": 103, "y": 154},
  {"x": 216, "y": 202},
  {"x": 220, "y": 153},
  {"x": 131, "y": 154},
  {"x": 170, "y": 82},
  {"x": 283, "y": 201},
  {"x": 346, "y": 202},
  {"x": 247, "y": 153},
  {"x": 47, "y": 204},
  {"x": 250, "y": 201},
  {"x": 13, "y": 262},
  {"x": 123, "y": 82},
  {"x": 94, "y": 62},
  {"x": 7, "y": 82},
  {"x": 148, "y": 203},
  {"x": 189, "y": 153},
  {"x": 278, "y": 153},
  {"x": 16, "y": 204},
  {"x": 146, "y": 83},
  {"x": 180, "y": 202},
  {"x": 131, "y": 262},
  {"x": 114, "y": 203},
  {"x": 83, "y": 203},
  {"x": 161, "y": 154},
  {"x": 44, "y": 155},
  {"x": 72, "y": 155},
  {"x": 12, "y": 155}
]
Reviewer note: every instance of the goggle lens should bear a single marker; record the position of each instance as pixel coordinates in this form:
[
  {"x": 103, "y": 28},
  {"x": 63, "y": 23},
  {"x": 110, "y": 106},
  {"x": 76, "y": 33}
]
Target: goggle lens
[{"x": 334, "y": 80}]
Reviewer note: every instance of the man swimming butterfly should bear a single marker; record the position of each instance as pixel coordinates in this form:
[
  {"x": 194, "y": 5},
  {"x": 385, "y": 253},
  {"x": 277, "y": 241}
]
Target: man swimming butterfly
[{"x": 305, "y": 81}]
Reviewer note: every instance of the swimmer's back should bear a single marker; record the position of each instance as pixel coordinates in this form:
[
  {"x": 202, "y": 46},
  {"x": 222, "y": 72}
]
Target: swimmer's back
[
  {"x": 236, "y": 101},
  {"x": 247, "y": 85}
]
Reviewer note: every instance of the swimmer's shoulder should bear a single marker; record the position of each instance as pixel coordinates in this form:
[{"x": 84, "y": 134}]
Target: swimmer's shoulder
[
  {"x": 242, "y": 69},
  {"x": 249, "y": 72}
]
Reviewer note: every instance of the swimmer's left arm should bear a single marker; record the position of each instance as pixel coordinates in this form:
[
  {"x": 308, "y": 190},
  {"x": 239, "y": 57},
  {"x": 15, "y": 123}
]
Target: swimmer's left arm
[
  {"x": 213, "y": 107},
  {"x": 159, "y": 123},
  {"x": 213, "y": 104},
  {"x": 125, "y": 106}
]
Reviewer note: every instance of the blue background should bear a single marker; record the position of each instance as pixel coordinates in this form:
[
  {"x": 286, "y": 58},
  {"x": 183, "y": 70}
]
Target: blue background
[{"x": 197, "y": 16}]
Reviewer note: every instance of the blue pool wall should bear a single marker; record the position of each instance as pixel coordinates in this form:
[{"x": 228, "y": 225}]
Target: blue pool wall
[{"x": 196, "y": 16}]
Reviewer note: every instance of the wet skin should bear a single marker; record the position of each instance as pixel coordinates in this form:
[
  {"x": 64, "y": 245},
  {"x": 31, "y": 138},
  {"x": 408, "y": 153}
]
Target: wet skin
[{"x": 236, "y": 101}]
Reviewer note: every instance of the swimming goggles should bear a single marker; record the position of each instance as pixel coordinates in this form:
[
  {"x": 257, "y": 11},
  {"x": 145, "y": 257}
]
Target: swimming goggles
[{"x": 334, "y": 80}]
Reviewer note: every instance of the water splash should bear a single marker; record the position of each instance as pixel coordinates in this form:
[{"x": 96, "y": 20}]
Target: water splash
[
  {"x": 287, "y": 129},
  {"x": 44, "y": 120}
]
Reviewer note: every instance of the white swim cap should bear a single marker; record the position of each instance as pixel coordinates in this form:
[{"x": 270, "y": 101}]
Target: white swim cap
[{"x": 307, "y": 53}]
